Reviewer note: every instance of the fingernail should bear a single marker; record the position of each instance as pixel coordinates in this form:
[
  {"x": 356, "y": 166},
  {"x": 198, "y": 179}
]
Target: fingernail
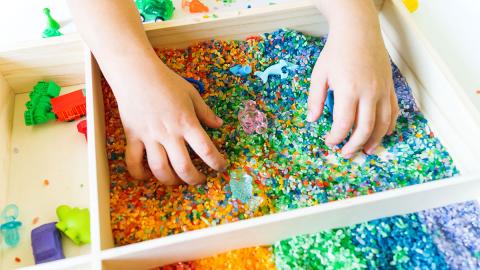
[
  {"x": 219, "y": 120},
  {"x": 309, "y": 116},
  {"x": 347, "y": 156},
  {"x": 327, "y": 141}
]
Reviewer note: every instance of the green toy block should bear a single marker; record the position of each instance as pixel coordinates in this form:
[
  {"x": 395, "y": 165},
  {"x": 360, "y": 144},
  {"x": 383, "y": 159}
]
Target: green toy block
[
  {"x": 53, "y": 89},
  {"x": 28, "y": 117},
  {"x": 52, "y": 25},
  {"x": 39, "y": 107},
  {"x": 74, "y": 223}
]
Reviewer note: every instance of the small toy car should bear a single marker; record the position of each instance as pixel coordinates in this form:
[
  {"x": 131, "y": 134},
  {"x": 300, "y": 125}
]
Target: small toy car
[
  {"x": 46, "y": 243},
  {"x": 155, "y": 10}
]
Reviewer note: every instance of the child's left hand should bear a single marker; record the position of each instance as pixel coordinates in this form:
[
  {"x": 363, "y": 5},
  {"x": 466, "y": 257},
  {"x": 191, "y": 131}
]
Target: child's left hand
[{"x": 355, "y": 64}]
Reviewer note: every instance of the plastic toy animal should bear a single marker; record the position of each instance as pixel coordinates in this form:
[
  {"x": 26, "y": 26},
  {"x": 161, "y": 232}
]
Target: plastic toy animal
[
  {"x": 47, "y": 243},
  {"x": 329, "y": 101},
  {"x": 197, "y": 83},
  {"x": 74, "y": 223},
  {"x": 251, "y": 119},
  {"x": 39, "y": 107},
  {"x": 9, "y": 229},
  {"x": 155, "y": 10},
  {"x": 194, "y": 6},
  {"x": 241, "y": 185},
  {"x": 281, "y": 68},
  {"x": 52, "y": 25},
  {"x": 240, "y": 70}
]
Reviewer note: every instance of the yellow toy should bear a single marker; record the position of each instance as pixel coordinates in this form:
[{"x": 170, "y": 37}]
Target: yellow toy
[{"x": 411, "y": 5}]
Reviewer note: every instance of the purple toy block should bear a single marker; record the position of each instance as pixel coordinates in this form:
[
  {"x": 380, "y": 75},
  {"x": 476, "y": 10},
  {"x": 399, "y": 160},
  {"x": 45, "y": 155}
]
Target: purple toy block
[{"x": 46, "y": 243}]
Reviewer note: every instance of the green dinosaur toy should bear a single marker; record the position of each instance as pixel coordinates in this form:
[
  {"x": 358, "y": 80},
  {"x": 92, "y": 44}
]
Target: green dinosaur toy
[
  {"x": 52, "y": 25},
  {"x": 74, "y": 223},
  {"x": 39, "y": 108}
]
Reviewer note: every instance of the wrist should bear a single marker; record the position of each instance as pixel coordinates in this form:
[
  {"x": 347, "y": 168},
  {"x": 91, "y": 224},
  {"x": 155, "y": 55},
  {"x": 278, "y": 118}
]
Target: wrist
[
  {"x": 133, "y": 71},
  {"x": 353, "y": 17}
]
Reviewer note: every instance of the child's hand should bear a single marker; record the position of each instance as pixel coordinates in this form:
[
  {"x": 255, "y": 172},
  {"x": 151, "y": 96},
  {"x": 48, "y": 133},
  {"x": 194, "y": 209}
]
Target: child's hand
[
  {"x": 161, "y": 117},
  {"x": 160, "y": 111},
  {"x": 355, "y": 64}
]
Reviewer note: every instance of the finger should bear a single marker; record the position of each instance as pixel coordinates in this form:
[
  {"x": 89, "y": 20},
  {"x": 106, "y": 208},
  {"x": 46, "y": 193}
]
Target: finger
[
  {"x": 394, "y": 112},
  {"x": 382, "y": 123},
  {"x": 204, "y": 113},
  {"x": 182, "y": 164},
  {"x": 159, "y": 165},
  {"x": 198, "y": 139},
  {"x": 317, "y": 95},
  {"x": 134, "y": 158},
  {"x": 363, "y": 131},
  {"x": 343, "y": 118}
]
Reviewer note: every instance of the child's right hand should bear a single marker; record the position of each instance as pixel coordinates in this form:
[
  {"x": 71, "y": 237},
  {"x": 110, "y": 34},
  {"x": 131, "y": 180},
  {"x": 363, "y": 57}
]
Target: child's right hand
[{"x": 160, "y": 112}]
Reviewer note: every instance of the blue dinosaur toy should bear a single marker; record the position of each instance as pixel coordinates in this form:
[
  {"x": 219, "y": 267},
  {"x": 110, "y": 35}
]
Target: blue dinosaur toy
[
  {"x": 197, "y": 83},
  {"x": 240, "y": 70},
  {"x": 277, "y": 69},
  {"x": 329, "y": 101}
]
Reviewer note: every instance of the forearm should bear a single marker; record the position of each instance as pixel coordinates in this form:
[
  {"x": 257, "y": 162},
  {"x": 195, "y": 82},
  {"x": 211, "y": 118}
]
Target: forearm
[
  {"x": 114, "y": 33},
  {"x": 350, "y": 15}
]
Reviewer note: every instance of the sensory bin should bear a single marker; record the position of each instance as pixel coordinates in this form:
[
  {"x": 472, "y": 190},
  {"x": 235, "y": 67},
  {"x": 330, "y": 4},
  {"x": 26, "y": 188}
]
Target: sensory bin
[{"x": 290, "y": 165}]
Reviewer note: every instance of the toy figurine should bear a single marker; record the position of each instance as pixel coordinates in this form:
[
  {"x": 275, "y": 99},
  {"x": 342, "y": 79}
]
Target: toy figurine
[
  {"x": 197, "y": 83},
  {"x": 74, "y": 223},
  {"x": 412, "y": 5},
  {"x": 329, "y": 101},
  {"x": 82, "y": 128},
  {"x": 9, "y": 229},
  {"x": 281, "y": 68},
  {"x": 47, "y": 243},
  {"x": 241, "y": 185},
  {"x": 39, "y": 107},
  {"x": 251, "y": 119},
  {"x": 52, "y": 25},
  {"x": 155, "y": 10},
  {"x": 240, "y": 70},
  {"x": 194, "y": 6}
]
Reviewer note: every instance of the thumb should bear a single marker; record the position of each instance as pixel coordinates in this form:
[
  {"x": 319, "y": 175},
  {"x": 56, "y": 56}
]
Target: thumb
[{"x": 317, "y": 95}]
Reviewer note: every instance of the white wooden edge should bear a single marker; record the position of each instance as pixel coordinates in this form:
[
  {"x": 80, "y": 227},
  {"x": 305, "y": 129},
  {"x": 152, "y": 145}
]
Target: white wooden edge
[
  {"x": 91, "y": 78},
  {"x": 6, "y": 115},
  {"x": 83, "y": 262}
]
